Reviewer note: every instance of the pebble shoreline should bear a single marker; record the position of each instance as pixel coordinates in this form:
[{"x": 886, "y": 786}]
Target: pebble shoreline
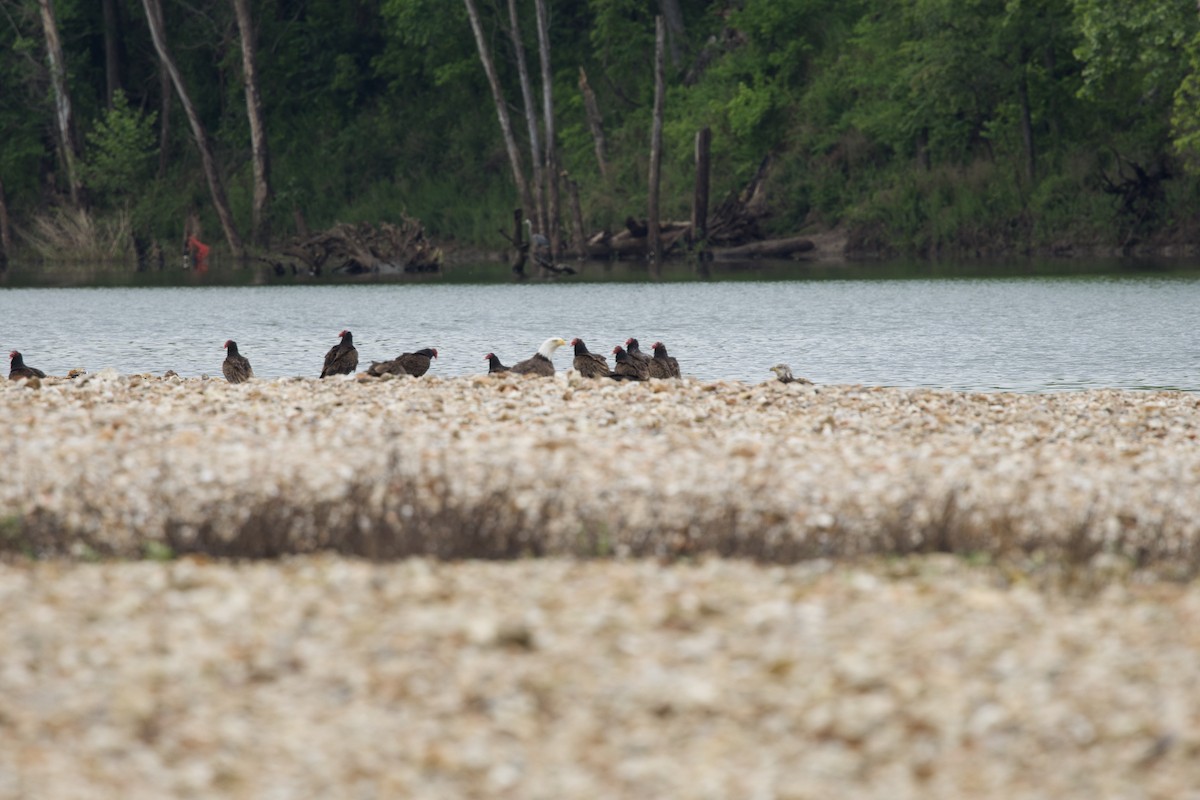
[{"x": 851, "y": 667}]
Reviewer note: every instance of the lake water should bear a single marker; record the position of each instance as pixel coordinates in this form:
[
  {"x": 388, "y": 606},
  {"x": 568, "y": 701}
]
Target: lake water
[{"x": 1019, "y": 332}]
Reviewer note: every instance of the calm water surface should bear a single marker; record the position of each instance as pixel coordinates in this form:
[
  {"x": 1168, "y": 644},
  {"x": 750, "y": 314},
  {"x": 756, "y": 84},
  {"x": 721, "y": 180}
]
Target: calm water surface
[{"x": 1019, "y": 333}]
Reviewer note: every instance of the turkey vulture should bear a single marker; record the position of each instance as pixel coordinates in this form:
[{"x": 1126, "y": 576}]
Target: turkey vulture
[
  {"x": 236, "y": 367},
  {"x": 342, "y": 358},
  {"x": 664, "y": 361},
  {"x": 417, "y": 364},
  {"x": 494, "y": 364},
  {"x": 635, "y": 350},
  {"x": 587, "y": 363},
  {"x": 540, "y": 363},
  {"x": 17, "y": 369},
  {"x": 627, "y": 367}
]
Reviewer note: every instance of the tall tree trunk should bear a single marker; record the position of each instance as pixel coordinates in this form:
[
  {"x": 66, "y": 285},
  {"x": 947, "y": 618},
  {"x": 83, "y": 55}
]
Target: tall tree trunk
[
  {"x": 164, "y": 119},
  {"x": 676, "y": 36},
  {"x": 531, "y": 119},
  {"x": 543, "y": 22},
  {"x": 595, "y": 121},
  {"x": 699, "y": 230},
  {"x": 580, "y": 243},
  {"x": 1027, "y": 126},
  {"x": 68, "y": 149},
  {"x": 655, "y": 240},
  {"x": 5, "y": 229},
  {"x": 112, "y": 51},
  {"x": 260, "y": 232},
  {"x": 510, "y": 141},
  {"x": 215, "y": 187}
]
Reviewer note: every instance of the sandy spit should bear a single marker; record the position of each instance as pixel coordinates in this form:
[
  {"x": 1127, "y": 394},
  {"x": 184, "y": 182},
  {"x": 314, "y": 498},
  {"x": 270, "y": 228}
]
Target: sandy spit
[{"x": 1054, "y": 654}]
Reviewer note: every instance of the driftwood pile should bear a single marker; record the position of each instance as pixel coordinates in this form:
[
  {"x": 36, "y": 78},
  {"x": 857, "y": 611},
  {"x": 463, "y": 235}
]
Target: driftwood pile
[
  {"x": 733, "y": 231},
  {"x": 359, "y": 249}
]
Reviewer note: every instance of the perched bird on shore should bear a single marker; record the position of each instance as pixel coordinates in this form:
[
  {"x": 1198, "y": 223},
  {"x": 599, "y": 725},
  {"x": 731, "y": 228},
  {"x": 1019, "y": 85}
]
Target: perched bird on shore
[
  {"x": 627, "y": 367},
  {"x": 540, "y": 363},
  {"x": 536, "y": 239},
  {"x": 784, "y": 373},
  {"x": 18, "y": 371},
  {"x": 494, "y": 364},
  {"x": 587, "y": 363},
  {"x": 236, "y": 366},
  {"x": 342, "y": 358},
  {"x": 664, "y": 361},
  {"x": 380, "y": 368},
  {"x": 635, "y": 351},
  {"x": 417, "y": 364}
]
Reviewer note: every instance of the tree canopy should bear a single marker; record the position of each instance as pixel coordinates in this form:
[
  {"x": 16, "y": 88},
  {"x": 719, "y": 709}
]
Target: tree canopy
[{"x": 916, "y": 125}]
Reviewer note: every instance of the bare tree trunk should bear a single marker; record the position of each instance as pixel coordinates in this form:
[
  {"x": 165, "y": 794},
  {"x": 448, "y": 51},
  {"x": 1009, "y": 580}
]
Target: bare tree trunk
[
  {"x": 520, "y": 248},
  {"x": 580, "y": 243},
  {"x": 595, "y": 121},
  {"x": 699, "y": 230},
  {"x": 5, "y": 229},
  {"x": 677, "y": 37},
  {"x": 215, "y": 187},
  {"x": 1027, "y": 127},
  {"x": 654, "y": 239},
  {"x": 510, "y": 141},
  {"x": 531, "y": 120},
  {"x": 260, "y": 232},
  {"x": 164, "y": 119},
  {"x": 112, "y": 56},
  {"x": 543, "y": 22},
  {"x": 68, "y": 149}
]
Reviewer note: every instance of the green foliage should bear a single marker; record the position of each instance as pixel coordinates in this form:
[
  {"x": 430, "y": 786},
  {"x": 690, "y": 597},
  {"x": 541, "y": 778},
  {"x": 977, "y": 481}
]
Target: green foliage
[
  {"x": 121, "y": 150},
  {"x": 912, "y": 120}
]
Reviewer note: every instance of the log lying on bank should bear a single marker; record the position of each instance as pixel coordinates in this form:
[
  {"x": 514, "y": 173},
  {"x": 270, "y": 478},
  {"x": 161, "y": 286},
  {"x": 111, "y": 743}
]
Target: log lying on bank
[
  {"x": 770, "y": 248},
  {"x": 359, "y": 249}
]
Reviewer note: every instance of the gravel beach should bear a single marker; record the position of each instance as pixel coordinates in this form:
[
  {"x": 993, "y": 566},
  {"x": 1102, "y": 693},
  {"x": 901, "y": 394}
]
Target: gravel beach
[{"x": 707, "y": 589}]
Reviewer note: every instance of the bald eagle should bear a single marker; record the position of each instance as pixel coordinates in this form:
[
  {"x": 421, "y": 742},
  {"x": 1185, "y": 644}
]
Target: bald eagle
[{"x": 540, "y": 363}]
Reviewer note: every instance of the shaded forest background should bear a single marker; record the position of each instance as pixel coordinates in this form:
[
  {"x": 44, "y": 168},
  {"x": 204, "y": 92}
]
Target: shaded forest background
[{"x": 911, "y": 126}]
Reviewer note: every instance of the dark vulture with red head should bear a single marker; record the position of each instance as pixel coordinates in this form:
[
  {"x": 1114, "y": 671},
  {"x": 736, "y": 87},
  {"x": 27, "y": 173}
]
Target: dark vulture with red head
[
  {"x": 587, "y": 363},
  {"x": 628, "y": 368},
  {"x": 18, "y": 371},
  {"x": 342, "y": 358},
  {"x": 417, "y": 364},
  {"x": 540, "y": 363},
  {"x": 236, "y": 367},
  {"x": 664, "y": 361},
  {"x": 635, "y": 353},
  {"x": 494, "y": 364}
]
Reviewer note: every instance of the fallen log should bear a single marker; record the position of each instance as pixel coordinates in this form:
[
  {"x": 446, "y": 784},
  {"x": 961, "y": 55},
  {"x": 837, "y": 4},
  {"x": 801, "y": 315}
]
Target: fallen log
[
  {"x": 770, "y": 248},
  {"x": 358, "y": 249}
]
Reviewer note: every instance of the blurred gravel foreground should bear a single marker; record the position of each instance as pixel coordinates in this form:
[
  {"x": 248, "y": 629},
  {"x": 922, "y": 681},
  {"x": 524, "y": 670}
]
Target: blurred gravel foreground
[{"x": 551, "y": 588}]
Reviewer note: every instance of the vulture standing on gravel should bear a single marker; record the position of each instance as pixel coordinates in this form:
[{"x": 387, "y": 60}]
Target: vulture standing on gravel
[
  {"x": 587, "y": 363},
  {"x": 236, "y": 367},
  {"x": 635, "y": 351},
  {"x": 494, "y": 364},
  {"x": 664, "y": 362},
  {"x": 540, "y": 363},
  {"x": 627, "y": 367},
  {"x": 417, "y": 364},
  {"x": 342, "y": 358},
  {"x": 17, "y": 369}
]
